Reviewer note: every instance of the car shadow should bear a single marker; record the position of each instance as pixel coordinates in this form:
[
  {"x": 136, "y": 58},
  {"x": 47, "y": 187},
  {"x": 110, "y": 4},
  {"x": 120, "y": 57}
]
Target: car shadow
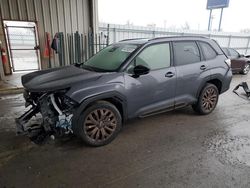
[{"x": 73, "y": 142}]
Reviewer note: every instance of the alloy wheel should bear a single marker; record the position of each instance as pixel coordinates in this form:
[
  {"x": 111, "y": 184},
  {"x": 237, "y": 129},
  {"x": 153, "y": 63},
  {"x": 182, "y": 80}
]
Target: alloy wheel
[
  {"x": 209, "y": 99},
  {"x": 100, "y": 124}
]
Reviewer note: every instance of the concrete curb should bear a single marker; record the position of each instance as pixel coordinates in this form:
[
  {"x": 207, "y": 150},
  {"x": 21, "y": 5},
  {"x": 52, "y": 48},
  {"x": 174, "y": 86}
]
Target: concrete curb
[{"x": 15, "y": 90}]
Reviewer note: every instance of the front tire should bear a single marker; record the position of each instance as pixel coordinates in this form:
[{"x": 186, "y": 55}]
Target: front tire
[
  {"x": 99, "y": 124},
  {"x": 207, "y": 100}
]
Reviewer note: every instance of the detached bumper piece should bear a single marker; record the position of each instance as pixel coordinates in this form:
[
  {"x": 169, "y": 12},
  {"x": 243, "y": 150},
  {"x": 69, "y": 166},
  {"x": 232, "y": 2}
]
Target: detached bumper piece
[
  {"x": 35, "y": 132},
  {"x": 21, "y": 128},
  {"x": 245, "y": 88}
]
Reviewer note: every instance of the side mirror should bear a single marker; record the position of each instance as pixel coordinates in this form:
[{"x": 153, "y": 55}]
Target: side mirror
[
  {"x": 140, "y": 70},
  {"x": 241, "y": 55}
]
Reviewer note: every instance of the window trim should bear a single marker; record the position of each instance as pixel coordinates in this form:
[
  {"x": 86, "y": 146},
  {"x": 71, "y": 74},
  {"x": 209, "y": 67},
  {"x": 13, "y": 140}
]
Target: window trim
[
  {"x": 202, "y": 55},
  {"x": 179, "y": 41},
  {"x": 125, "y": 68},
  {"x": 227, "y": 52},
  {"x": 199, "y": 43}
]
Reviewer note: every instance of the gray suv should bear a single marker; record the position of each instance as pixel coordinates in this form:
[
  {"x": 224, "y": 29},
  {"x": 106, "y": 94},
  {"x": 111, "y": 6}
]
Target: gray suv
[{"x": 128, "y": 79}]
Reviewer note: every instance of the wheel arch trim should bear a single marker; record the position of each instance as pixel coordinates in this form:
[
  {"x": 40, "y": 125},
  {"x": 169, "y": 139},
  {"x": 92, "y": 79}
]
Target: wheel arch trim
[
  {"x": 107, "y": 95},
  {"x": 208, "y": 80}
]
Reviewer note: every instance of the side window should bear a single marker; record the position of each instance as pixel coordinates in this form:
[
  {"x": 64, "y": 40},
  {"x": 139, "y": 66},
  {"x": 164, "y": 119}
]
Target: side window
[
  {"x": 208, "y": 51},
  {"x": 226, "y": 51},
  {"x": 233, "y": 53},
  {"x": 186, "y": 53},
  {"x": 154, "y": 57}
]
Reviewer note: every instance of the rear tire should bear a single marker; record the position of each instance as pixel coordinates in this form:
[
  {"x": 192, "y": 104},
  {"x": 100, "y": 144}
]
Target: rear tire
[
  {"x": 99, "y": 124},
  {"x": 207, "y": 100}
]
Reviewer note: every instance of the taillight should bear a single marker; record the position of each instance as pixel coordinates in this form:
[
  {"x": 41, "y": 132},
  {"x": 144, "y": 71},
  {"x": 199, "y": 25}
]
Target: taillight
[{"x": 228, "y": 62}]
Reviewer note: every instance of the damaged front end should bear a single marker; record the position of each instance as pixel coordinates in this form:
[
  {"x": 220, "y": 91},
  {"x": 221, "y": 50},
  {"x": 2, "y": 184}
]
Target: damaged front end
[{"x": 55, "y": 110}]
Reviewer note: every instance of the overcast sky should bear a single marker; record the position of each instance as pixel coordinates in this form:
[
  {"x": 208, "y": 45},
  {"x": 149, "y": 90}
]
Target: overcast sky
[{"x": 175, "y": 13}]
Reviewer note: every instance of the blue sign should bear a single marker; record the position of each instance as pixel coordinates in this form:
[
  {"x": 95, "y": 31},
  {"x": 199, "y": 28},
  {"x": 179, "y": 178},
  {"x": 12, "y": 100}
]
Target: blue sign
[{"x": 213, "y": 4}]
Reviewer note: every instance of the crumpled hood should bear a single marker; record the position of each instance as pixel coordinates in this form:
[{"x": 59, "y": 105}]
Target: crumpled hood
[{"x": 57, "y": 78}]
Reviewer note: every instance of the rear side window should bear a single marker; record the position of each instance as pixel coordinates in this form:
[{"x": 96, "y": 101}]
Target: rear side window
[
  {"x": 233, "y": 53},
  {"x": 186, "y": 53},
  {"x": 208, "y": 51},
  {"x": 225, "y": 51}
]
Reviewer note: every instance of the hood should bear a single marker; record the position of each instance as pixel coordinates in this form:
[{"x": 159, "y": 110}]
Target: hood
[{"x": 57, "y": 78}]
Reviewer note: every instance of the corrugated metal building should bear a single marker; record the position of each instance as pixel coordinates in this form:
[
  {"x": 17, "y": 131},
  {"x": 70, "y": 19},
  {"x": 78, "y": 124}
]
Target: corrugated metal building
[{"x": 51, "y": 16}]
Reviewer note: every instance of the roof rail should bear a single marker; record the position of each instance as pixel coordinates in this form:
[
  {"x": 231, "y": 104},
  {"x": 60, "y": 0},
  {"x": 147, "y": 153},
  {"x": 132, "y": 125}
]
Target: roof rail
[
  {"x": 132, "y": 39},
  {"x": 157, "y": 38}
]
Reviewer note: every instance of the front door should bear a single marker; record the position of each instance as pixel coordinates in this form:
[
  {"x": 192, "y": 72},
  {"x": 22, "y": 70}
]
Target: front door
[
  {"x": 154, "y": 91},
  {"x": 22, "y": 45}
]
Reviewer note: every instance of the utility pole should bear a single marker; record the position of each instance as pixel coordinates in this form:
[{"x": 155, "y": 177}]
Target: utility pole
[
  {"x": 216, "y": 4},
  {"x": 221, "y": 13},
  {"x": 209, "y": 21}
]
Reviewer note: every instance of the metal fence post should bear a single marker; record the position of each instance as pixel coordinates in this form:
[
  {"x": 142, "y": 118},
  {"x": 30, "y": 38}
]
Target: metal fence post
[
  {"x": 77, "y": 47},
  {"x": 248, "y": 42},
  {"x": 114, "y": 34},
  {"x": 229, "y": 41},
  {"x": 108, "y": 34},
  {"x": 86, "y": 47},
  {"x": 153, "y": 34}
]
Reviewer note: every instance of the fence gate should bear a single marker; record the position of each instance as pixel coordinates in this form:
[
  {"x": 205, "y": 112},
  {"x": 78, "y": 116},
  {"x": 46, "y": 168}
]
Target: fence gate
[{"x": 22, "y": 45}]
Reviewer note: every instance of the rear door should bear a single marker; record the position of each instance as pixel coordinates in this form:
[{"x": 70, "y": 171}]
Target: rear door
[{"x": 191, "y": 70}]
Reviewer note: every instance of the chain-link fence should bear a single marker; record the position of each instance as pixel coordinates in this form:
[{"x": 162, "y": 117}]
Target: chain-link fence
[{"x": 238, "y": 41}]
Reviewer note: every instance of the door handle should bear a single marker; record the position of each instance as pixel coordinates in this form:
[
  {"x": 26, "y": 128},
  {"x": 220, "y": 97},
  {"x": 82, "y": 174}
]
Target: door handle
[
  {"x": 203, "y": 67},
  {"x": 169, "y": 74}
]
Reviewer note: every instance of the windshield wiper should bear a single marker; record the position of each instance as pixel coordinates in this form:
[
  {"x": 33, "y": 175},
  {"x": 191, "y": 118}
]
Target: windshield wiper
[
  {"x": 88, "y": 68},
  {"x": 84, "y": 66}
]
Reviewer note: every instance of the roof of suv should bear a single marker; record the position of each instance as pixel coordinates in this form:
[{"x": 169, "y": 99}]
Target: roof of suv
[
  {"x": 145, "y": 40},
  {"x": 175, "y": 38}
]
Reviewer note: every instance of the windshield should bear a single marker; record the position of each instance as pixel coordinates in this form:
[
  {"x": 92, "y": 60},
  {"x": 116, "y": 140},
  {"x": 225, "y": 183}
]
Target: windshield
[{"x": 110, "y": 58}]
